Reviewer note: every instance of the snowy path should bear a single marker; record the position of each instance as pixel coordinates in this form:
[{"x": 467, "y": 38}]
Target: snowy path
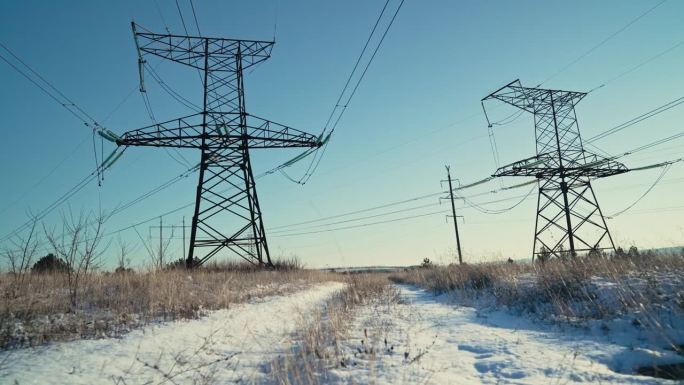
[
  {"x": 227, "y": 346},
  {"x": 429, "y": 341}
]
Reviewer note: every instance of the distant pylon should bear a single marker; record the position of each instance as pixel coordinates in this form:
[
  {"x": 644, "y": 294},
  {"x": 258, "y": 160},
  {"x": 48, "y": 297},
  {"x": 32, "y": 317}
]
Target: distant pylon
[{"x": 569, "y": 219}]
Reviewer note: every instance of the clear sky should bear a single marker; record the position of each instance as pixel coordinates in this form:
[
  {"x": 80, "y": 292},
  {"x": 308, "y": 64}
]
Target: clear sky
[{"x": 417, "y": 110}]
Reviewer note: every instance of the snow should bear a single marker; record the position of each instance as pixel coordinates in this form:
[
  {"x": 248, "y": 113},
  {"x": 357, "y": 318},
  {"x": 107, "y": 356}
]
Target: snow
[
  {"x": 427, "y": 339},
  {"x": 226, "y": 346}
]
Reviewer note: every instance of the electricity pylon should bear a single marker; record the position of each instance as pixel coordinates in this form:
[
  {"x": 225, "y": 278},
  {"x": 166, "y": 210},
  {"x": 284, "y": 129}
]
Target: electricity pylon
[
  {"x": 569, "y": 219},
  {"x": 227, "y": 215}
]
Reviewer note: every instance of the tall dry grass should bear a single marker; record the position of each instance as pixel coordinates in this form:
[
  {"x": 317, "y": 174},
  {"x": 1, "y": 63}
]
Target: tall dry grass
[
  {"x": 42, "y": 309},
  {"x": 317, "y": 346},
  {"x": 580, "y": 288}
]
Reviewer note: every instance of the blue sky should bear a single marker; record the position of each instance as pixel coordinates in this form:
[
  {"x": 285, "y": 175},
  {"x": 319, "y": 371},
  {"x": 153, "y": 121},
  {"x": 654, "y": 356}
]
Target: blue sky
[{"x": 417, "y": 110}]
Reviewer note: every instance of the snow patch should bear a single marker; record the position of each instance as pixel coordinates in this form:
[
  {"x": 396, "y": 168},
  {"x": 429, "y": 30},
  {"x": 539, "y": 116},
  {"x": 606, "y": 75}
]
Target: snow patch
[
  {"x": 226, "y": 346},
  {"x": 427, "y": 339}
]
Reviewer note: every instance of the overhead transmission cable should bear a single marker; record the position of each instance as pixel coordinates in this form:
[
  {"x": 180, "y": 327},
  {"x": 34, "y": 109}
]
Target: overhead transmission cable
[
  {"x": 642, "y": 196},
  {"x": 106, "y": 163},
  {"x": 55, "y": 93},
  {"x": 602, "y": 42},
  {"x": 309, "y": 173},
  {"x": 649, "y": 114},
  {"x": 637, "y": 66},
  {"x": 340, "y": 107},
  {"x": 194, "y": 15}
]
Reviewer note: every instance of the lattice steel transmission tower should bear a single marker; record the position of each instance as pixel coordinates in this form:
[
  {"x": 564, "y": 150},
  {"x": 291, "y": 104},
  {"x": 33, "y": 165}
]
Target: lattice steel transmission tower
[
  {"x": 227, "y": 216},
  {"x": 569, "y": 219}
]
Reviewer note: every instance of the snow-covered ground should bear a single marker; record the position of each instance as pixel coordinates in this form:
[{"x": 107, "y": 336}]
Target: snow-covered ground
[
  {"x": 227, "y": 346},
  {"x": 428, "y": 340}
]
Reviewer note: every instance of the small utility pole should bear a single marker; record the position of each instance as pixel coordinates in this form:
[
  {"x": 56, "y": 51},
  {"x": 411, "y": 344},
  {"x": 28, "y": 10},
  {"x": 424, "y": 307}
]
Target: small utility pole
[
  {"x": 161, "y": 257},
  {"x": 184, "y": 250},
  {"x": 453, "y": 211}
]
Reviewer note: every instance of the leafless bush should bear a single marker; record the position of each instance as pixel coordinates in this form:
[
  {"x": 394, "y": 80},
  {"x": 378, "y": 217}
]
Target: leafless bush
[
  {"x": 79, "y": 246},
  {"x": 19, "y": 256}
]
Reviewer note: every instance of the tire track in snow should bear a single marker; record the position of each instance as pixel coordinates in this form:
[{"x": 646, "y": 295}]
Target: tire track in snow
[{"x": 227, "y": 346}]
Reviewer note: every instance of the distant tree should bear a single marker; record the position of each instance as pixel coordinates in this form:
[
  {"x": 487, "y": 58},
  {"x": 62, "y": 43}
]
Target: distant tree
[
  {"x": 633, "y": 252},
  {"x": 123, "y": 270},
  {"x": 543, "y": 255},
  {"x": 426, "y": 263},
  {"x": 595, "y": 253},
  {"x": 122, "y": 260},
  {"x": 181, "y": 263},
  {"x": 620, "y": 252},
  {"x": 50, "y": 264},
  {"x": 564, "y": 255}
]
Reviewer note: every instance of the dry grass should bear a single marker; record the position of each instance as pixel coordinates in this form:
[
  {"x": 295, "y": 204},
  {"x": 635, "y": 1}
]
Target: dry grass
[
  {"x": 575, "y": 289},
  {"x": 37, "y": 308},
  {"x": 318, "y": 341}
]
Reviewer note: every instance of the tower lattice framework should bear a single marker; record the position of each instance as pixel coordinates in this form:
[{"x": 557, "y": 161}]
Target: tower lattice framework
[
  {"x": 568, "y": 219},
  {"x": 227, "y": 217}
]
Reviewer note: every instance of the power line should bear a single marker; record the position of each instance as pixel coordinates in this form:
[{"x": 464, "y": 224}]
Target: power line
[
  {"x": 66, "y": 102},
  {"x": 602, "y": 42},
  {"x": 117, "y": 210},
  {"x": 45, "y": 177},
  {"x": 653, "y": 144},
  {"x": 362, "y": 225},
  {"x": 355, "y": 219},
  {"x": 182, "y": 19},
  {"x": 651, "y": 187},
  {"x": 313, "y": 165},
  {"x": 67, "y": 195},
  {"x": 656, "y": 111},
  {"x": 194, "y": 15},
  {"x": 389, "y": 220},
  {"x": 639, "y": 65},
  {"x": 169, "y": 90},
  {"x": 395, "y": 203},
  {"x": 308, "y": 173}
]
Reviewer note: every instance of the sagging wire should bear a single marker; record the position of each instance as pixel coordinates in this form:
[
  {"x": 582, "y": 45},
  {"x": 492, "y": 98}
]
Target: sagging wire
[
  {"x": 340, "y": 107},
  {"x": 664, "y": 171},
  {"x": 485, "y": 210}
]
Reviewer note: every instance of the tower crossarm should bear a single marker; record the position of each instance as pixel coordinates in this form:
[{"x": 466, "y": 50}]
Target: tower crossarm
[
  {"x": 225, "y": 131},
  {"x": 264, "y": 133},
  {"x": 545, "y": 166},
  {"x": 533, "y": 100},
  {"x": 185, "y": 132},
  {"x": 192, "y": 50}
]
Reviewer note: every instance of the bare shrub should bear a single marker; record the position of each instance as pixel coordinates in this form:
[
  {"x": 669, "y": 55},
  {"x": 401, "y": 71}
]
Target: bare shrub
[
  {"x": 78, "y": 246},
  {"x": 19, "y": 256}
]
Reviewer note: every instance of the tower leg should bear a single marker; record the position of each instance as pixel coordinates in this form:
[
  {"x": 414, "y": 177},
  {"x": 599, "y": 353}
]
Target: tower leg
[
  {"x": 227, "y": 216},
  {"x": 555, "y": 232}
]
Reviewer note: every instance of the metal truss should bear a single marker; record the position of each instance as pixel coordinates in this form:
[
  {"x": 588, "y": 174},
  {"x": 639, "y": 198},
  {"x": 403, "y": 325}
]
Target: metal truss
[
  {"x": 569, "y": 219},
  {"x": 227, "y": 217}
]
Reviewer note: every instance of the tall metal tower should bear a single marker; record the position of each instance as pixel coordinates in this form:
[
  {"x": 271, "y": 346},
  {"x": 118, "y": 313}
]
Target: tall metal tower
[
  {"x": 569, "y": 219},
  {"x": 227, "y": 216}
]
